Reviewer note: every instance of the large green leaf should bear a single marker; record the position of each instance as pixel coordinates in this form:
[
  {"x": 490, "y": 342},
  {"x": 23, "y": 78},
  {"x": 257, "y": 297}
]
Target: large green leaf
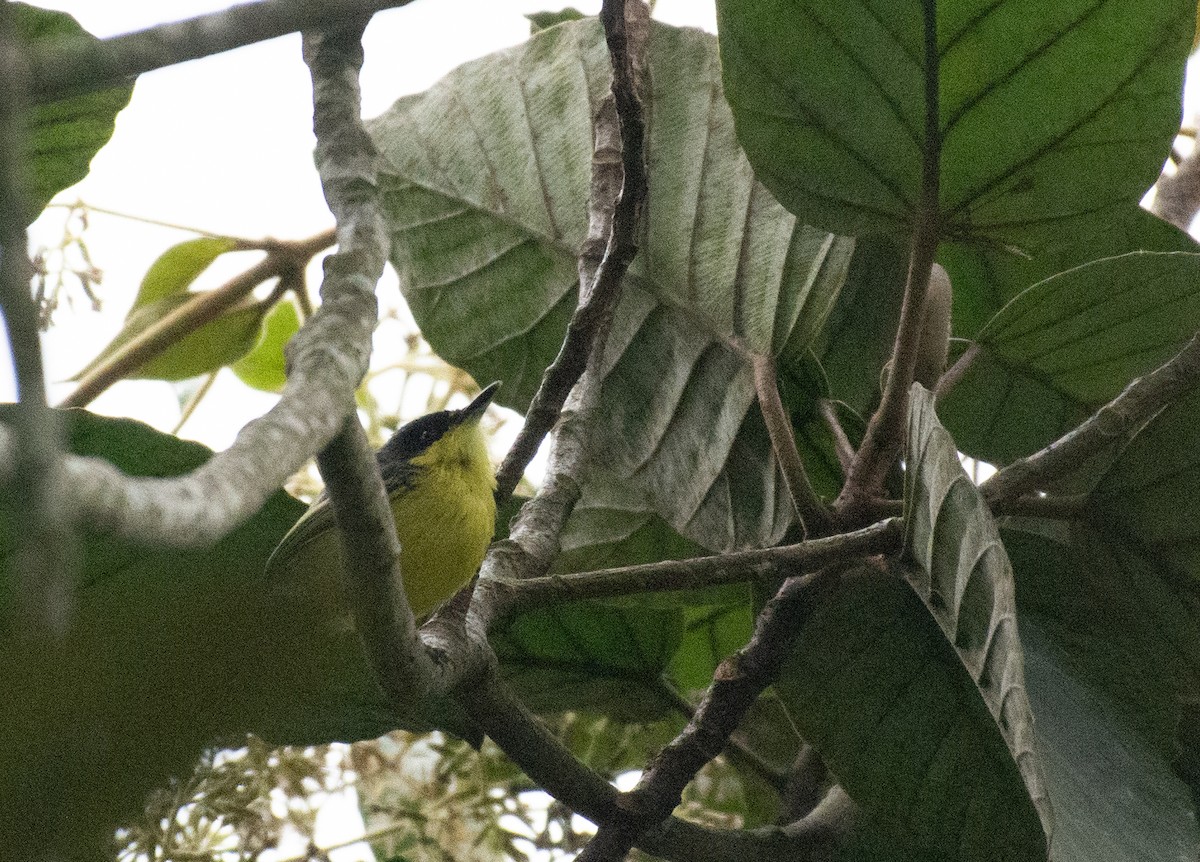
[
  {"x": 1105, "y": 642},
  {"x": 486, "y": 193},
  {"x": 1068, "y": 344},
  {"x": 1043, "y": 113},
  {"x": 64, "y": 135},
  {"x": 966, "y": 581},
  {"x": 876, "y": 687},
  {"x": 169, "y": 651}
]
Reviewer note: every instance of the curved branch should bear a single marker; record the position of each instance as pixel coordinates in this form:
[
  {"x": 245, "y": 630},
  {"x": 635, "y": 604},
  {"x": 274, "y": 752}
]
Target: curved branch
[
  {"x": 1116, "y": 421},
  {"x": 512, "y": 595},
  {"x": 84, "y": 65}
]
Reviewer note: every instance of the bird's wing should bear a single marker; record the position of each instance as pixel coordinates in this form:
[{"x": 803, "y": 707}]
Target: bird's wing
[{"x": 312, "y": 523}]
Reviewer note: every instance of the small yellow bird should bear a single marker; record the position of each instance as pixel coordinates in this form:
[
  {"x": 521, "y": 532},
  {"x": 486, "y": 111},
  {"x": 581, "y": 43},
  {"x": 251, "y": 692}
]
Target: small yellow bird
[{"x": 440, "y": 482}]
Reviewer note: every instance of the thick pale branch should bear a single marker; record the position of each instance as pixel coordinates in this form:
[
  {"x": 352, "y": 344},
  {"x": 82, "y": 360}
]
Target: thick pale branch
[
  {"x": 281, "y": 260},
  {"x": 1117, "y": 421},
  {"x": 382, "y": 617},
  {"x": 737, "y": 683},
  {"x": 82, "y": 65},
  {"x": 327, "y": 359},
  {"x": 44, "y": 559},
  {"x": 511, "y": 595}
]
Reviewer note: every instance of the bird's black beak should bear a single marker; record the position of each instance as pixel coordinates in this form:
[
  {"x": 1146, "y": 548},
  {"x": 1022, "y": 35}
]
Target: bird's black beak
[{"x": 474, "y": 411}]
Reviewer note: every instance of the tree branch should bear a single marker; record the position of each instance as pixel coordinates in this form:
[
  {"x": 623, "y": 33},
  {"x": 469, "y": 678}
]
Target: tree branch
[
  {"x": 618, "y": 197},
  {"x": 884, "y": 436},
  {"x": 382, "y": 616},
  {"x": 502, "y": 716},
  {"x": 67, "y": 68},
  {"x": 814, "y": 517},
  {"x": 512, "y": 595},
  {"x": 841, "y": 443},
  {"x": 1115, "y": 422},
  {"x": 327, "y": 359},
  {"x": 44, "y": 560},
  {"x": 203, "y": 308},
  {"x": 737, "y": 683}
]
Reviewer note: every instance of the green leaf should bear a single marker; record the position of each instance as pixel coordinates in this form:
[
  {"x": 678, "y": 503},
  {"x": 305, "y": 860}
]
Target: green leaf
[
  {"x": 985, "y": 278},
  {"x": 214, "y": 345},
  {"x": 1068, "y": 344},
  {"x": 966, "y": 581},
  {"x": 170, "y": 650},
  {"x": 486, "y": 195},
  {"x": 876, "y": 687},
  {"x": 591, "y": 656},
  {"x": 539, "y": 21},
  {"x": 1044, "y": 113},
  {"x": 62, "y": 136},
  {"x": 177, "y": 267},
  {"x": 265, "y": 367},
  {"x": 1106, "y": 640}
]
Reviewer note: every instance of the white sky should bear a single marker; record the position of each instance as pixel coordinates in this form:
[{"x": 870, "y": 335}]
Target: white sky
[{"x": 225, "y": 144}]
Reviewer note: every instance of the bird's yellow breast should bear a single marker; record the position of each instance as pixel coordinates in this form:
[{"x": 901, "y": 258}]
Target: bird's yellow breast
[{"x": 446, "y": 519}]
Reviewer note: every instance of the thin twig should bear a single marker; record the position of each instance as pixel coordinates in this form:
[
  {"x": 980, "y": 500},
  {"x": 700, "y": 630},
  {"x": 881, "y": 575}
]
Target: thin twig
[
  {"x": 814, "y": 517},
  {"x": 514, "y": 595},
  {"x": 281, "y": 259},
  {"x": 82, "y": 65},
  {"x": 737, "y": 683},
  {"x": 841, "y": 443},
  {"x": 44, "y": 560},
  {"x": 956, "y": 372},
  {"x": 884, "y": 436},
  {"x": 194, "y": 401},
  {"x": 614, "y": 219},
  {"x": 1115, "y": 422}
]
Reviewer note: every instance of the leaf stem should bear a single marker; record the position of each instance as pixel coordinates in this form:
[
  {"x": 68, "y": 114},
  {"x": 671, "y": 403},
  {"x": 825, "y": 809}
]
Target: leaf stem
[
  {"x": 885, "y": 432},
  {"x": 814, "y": 517}
]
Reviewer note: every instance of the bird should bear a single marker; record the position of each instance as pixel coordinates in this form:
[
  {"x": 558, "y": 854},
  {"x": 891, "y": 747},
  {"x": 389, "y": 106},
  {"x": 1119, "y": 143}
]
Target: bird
[{"x": 440, "y": 483}]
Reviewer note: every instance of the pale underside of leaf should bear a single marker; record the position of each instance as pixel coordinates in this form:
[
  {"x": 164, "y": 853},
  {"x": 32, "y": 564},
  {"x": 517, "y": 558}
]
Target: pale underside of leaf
[
  {"x": 486, "y": 192},
  {"x": 963, "y": 576}
]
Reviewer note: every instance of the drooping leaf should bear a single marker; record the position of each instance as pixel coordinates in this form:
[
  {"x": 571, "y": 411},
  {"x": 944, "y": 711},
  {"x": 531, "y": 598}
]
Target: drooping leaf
[
  {"x": 264, "y": 367},
  {"x": 966, "y": 581},
  {"x": 486, "y": 194},
  {"x": 1068, "y": 344},
  {"x": 1042, "y": 113},
  {"x": 213, "y": 345},
  {"x": 180, "y": 265},
  {"x": 62, "y": 136}
]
